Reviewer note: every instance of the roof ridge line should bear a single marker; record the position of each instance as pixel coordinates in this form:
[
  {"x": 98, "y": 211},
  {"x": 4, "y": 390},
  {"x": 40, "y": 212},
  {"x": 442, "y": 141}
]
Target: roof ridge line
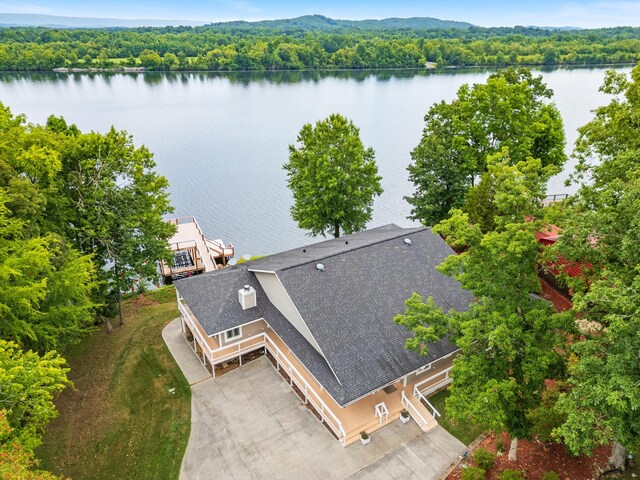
[{"x": 357, "y": 247}]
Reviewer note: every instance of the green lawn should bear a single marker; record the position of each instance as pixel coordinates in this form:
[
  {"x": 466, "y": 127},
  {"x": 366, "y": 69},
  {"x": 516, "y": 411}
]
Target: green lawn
[
  {"x": 122, "y": 421},
  {"x": 464, "y": 432},
  {"x": 119, "y": 61}
]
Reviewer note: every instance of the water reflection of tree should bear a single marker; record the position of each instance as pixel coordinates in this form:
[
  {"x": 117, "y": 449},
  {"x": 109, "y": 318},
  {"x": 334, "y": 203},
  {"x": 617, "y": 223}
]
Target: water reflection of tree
[{"x": 246, "y": 78}]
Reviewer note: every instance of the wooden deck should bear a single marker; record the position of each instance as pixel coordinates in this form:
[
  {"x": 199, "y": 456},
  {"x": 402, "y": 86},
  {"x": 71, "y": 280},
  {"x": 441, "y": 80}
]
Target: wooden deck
[
  {"x": 188, "y": 232},
  {"x": 206, "y": 253}
]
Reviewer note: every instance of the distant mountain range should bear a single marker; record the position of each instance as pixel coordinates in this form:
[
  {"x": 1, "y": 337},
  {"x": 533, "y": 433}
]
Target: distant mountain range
[
  {"x": 307, "y": 22},
  {"x": 319, "y": 22},
  {"x": 304, "y": 23}
]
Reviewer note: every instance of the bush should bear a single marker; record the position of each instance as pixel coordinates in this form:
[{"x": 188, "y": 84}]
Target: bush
[
  {"x": 500, "y": 445},
  {"x": 511, "y": 475},
  {"x": 473, "y": 473},
  {"x": 484, "y": 458},
  {"x": 550, "y": 476}
]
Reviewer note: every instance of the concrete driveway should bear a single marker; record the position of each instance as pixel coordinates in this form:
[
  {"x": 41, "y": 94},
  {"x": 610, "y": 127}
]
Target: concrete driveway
[{"x": 249, "y": 424}]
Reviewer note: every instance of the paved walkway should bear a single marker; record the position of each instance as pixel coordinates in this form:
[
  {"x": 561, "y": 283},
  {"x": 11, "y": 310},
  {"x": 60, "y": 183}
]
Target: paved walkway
[{"x": 249, "y": 424}]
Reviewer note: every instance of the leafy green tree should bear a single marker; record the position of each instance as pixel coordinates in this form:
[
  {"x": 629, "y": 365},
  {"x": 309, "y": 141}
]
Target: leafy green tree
[
  {"x": 114, "y": 206},
  {"x": 46, "y": 286},
  {"x": 150, "y": 59},
  {"x": 521, "y": 188},
  {"x": 16, "y": 461},
  {"x": 510, "y": 341},
  {"x": 95, "y": 192},
  {"x": 28, "y": 385},
  {"x": 602, "y": 228},
  {"x": 333, "y": 177},
  {"x": 440, "y": 173},
  {"x": 510, "y": 110},
  {"x": 45, "y": 292}
]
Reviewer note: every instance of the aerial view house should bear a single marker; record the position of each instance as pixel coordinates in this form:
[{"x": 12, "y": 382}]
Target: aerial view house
[{"x": 323, "y": 315}]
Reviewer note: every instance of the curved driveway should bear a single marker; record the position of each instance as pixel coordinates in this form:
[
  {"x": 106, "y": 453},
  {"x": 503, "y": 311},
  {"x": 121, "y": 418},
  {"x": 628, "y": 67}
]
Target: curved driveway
[{"x": 249, "y": 424}]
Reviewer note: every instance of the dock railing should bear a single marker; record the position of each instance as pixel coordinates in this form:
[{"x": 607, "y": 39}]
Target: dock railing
[
  {"x": 219, "y": 248},
  {"x": 554, "y": 198}
]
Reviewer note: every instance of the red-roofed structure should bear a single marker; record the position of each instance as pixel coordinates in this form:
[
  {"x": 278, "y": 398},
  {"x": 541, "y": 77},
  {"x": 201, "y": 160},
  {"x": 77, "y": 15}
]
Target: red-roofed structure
[{"x": 548, "y": 237}]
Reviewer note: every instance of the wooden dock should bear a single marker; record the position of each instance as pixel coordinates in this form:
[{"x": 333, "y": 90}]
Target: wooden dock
[{"x": 194, "y": 252}]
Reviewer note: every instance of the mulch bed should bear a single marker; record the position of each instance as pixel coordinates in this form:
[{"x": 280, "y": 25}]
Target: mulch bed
[{"x": 536, "y": 458}]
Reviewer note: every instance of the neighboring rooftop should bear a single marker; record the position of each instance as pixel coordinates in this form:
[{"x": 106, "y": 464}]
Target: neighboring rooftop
[{"x": 348, "y": 307}]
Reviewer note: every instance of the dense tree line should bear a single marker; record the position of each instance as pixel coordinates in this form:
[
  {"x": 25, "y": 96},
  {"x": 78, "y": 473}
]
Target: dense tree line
[
  {"x": 524, "y": 369},
  {"x": 252, "y": 48},
  {"x": 80, "y": 222},
  {"x": 512, "y": 111}
]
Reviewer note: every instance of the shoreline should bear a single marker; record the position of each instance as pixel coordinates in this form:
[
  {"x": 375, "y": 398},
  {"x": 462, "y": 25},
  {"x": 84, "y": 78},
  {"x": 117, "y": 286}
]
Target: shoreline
[{"x": 428, "y": 68}]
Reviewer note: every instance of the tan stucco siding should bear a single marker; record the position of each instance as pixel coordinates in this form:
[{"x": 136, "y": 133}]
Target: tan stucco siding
[
  {"x": 436, "y": 366},
  {"x": 247, "y": 330},
  {"x": 280, "y": 298}
]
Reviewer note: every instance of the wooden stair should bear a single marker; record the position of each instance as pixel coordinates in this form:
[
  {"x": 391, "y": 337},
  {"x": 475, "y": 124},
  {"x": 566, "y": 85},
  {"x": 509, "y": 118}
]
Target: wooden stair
[{"x": 426, "y": 414}]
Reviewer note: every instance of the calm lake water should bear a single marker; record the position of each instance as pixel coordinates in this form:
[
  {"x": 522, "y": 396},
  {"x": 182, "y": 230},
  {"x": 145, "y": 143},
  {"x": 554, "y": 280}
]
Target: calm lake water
[{"x": 221, "y": 139}]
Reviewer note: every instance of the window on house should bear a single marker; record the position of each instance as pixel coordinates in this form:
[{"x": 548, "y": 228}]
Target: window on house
[{"x": 233, "y": 333}]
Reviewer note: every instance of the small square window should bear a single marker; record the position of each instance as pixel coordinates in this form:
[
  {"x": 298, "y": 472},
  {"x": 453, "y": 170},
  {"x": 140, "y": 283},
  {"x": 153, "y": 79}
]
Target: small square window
[{"x": 233, "y": 333}]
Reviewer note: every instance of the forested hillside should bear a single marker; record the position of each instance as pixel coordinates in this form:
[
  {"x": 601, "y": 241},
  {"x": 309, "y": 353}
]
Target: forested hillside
[
  {"x": 312, "y": 42},
  {"x": 320, "y": 22}
]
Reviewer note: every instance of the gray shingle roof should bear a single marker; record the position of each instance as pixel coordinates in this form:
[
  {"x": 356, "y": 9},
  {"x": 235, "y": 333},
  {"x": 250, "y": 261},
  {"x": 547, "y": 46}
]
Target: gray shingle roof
[
  {"x": 213, "y": 298},
  {"x": 348, "y": 308},
  {"x": 318, "y": 251}
]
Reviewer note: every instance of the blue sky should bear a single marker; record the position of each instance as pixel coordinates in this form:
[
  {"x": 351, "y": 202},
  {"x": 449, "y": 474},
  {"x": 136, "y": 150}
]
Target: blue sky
[{"x": 600, "y": 13}]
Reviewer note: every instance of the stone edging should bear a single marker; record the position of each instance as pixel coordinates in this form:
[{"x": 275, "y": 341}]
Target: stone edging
[{"x": 470, "y": 449}]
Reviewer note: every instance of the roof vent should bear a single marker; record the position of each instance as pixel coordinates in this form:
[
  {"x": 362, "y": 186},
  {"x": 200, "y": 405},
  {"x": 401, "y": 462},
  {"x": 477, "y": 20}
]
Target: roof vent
[
  {"x": 320, "y": 267},
  {"x": 247, "y": 297},
  {"x": 407, "y": 241}
]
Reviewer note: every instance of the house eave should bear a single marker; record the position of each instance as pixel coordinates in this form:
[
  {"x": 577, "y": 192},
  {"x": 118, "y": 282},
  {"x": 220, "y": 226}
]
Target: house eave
[{"x": 377, "y": 389}]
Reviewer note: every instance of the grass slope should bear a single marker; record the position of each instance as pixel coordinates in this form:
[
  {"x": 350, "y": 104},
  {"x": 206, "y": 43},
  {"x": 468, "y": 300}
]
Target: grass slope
[
  {"x": 121, "y": 421},
  {"x": 465, "y": 432}
]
